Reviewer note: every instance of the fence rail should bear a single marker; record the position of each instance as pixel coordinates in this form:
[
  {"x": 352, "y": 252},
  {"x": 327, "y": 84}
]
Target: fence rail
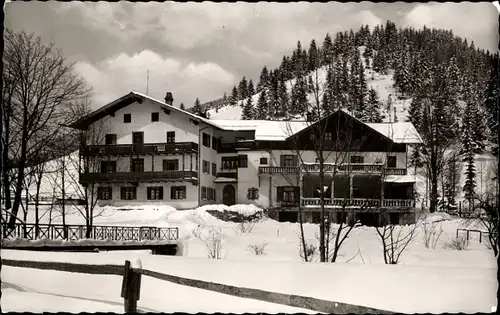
[
  {"x": 131, "y": 285},
  {"x": 474, "y": 231},
  {"x": 146, "y": 148},
  {"x": 359, "y": 202},
  {"x": 76, "y": 232}
]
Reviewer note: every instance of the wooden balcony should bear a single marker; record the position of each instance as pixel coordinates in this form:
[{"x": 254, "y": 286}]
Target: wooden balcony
[
  {"x": 359, "y": 202},
  {"x": 278, "y": 170},
  {"x": 395, "y": 171},
  {"x": 236, "y": 146},
  {"x": 146, "y": 148},
  {"x": 343, "y": 168},
  {"x": 163, "y": 176},
  {"x": 288, "y": 204}
]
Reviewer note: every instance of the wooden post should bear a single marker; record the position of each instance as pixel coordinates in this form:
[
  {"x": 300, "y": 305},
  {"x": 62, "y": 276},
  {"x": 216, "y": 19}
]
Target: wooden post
[
  {"x": 468, "y": 234},
  {"x": 131, "y": 287}
]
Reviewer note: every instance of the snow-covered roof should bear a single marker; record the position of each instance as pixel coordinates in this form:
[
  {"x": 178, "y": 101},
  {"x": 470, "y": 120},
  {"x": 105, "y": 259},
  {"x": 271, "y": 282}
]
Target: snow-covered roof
[
  {"x": 399, "y": 132},
  {"x": 265, "y": 130},
  {"x": 400, "y": 179}
]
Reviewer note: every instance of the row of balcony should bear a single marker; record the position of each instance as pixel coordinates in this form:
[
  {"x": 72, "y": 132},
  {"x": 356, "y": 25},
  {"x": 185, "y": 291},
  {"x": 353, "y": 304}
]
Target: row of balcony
[
  {"x": 146, "y": 148},
  {"x": 331, "y": 168},
  {"x": 353, "y": 202},
  {"x": 139, "y": 176}
]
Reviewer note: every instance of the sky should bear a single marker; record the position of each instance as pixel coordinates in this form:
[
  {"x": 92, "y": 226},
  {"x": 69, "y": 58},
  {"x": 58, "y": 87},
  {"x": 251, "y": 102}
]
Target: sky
[{"x": 203, "y": 49}]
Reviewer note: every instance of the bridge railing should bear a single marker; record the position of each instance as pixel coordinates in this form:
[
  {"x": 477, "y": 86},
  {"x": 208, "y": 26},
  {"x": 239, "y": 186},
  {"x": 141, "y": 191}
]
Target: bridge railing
[{"x": 97, "y": 232}]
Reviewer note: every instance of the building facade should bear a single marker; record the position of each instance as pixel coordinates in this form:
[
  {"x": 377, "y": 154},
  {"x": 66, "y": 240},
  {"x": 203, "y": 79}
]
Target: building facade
[{"x": 138, "y": 150}]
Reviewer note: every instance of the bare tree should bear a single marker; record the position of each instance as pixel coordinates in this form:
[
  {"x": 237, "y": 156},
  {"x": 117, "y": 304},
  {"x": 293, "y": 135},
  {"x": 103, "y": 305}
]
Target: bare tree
[
  {"x": 40, "y": 85},
  {"x": 395, "y": 239}
]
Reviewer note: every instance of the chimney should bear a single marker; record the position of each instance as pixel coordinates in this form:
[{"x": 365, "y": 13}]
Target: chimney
[{"x": 169, "y": 99}]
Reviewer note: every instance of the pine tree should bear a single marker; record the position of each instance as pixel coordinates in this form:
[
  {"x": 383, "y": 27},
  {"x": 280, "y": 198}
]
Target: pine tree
[
  {"x": 197, "y": 108},
  {"x": 328, "y": 51},
  {"x": 491, "y": 103},
  {"x": 263, "y": 79},
  {"x": 233, "y": 100},
  {"x": 283, "y": 99},
  {"x": 248, "y": 110},
  {"x": 373, "y": 107},
  {"x": 250, "y": 89},
  {"x": 380, "y": 62},
  {"x": 272, "y": 96},
  {"x": 182, "y": 106},
  {"x": 298, "y": 104},
  {"x": 314, "y": 58},
  {"x": 262, "y": 107},
  {"x": 467, "y": 151},
  {"x": 243, "y": 89},
  {"x": 362, "y": 93}
]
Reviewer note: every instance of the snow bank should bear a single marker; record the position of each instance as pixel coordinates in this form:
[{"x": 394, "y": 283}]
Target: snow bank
[
  {"x": 246, "y": 210},
  {"x": 82, "y": 242}
]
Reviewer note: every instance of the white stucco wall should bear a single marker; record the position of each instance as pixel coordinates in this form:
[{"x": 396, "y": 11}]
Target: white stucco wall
[
  {"x": 190, "y": 202},
  {"x": 154, "y": 132}
]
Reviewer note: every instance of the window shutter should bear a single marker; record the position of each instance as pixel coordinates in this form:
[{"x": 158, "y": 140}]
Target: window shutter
[
  {"x": 149, "y": 193},
  {"x": 161, "y": 193},
  {"x": 295, "y": 160},
  {"x": 122, "y": 193},
  {"x": 297, "y": 194},
  {"x": 110, "y": 190},
  {"x": 279, "y": 195},
  {"x": 282, "y": 160}
]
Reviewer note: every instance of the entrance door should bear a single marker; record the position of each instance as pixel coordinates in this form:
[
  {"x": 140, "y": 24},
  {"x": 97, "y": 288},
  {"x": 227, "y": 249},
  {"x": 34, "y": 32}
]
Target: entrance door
[
  {"x": 138, "y": 141},
  {"x": 229, "y": 195}
]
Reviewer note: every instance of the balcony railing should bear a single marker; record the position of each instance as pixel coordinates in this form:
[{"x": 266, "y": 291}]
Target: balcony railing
[
  {"x": 359, "y": 202},
  {"x": 395, "y": 171},
  {"x": 286, "y": 204},
  {"x": 278, "y": 169},
  {"x": 236, "y": 146},
  {"x": 146, "y": 148},
  {"x": 139, "y": 176}
]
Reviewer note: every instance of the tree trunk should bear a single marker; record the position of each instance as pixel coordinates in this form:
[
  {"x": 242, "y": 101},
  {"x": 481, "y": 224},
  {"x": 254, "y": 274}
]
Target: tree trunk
[
  {"x": 5, "y": 158},
  {"x": 322, "y": 209},
  {"x": 63, "y": 205},
  {"x": 20, "y": 172}
]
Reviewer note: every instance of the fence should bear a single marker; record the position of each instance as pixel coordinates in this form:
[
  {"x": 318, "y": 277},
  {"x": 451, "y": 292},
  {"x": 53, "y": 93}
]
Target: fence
[
  {"x": 474, "y": 231},
  {"x": 131, "y": 286},
  {"x": 76, "y": 232}
]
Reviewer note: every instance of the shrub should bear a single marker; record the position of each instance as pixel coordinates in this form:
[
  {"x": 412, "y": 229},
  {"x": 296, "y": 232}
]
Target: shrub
[
  {"x": 258, "y": 249},
  {"x": 459, "y": 243},
  {"x": 431, "y": 234},
  {"x": 311, "y": 251}
]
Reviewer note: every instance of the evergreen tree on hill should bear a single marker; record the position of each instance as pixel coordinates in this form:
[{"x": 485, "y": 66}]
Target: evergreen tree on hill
[
  {"x": 263, "y": 79},
  {"x": 314, "y": 57},
  {"x": 262, "y": 106},
  {"x": 327, "y": 49},
  {"x": 233, "y": 100},
  {"x": 182, "y": 106},
  {"x": 248, "y": 110},
  {"x": 373, "y": 107},
  {"x": 283, "y": 109},
  {"x": 250, "y": 89},
  {"x": 243, "y": 89},
  {"x": 197, "y": 110}
]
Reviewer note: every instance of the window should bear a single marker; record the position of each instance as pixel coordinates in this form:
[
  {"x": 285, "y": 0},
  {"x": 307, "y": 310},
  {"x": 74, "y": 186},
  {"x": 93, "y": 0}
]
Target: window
[
  {"x": 288, "y": 160},
  {"x": 104, "y": 193},
  {"x": 204, "y": 193},
  {"x": 242, "y": 161},
  {"x": 170, "y": 136},
  {"x": 178, "y": 192},
  {"x": 253, "y": 193},
  {"x": 210, "y": 193},
  {"x": 128, "y": 193},
  {"x": 357, "y": 159},
  {"x": 110, "y": 139},
  {"x": 138, "y": 137},
  {"x": 155, "y": 193},
  {"x": 138, "y": 165},
  {"x": 214, "y": 143},
  {"x": 214, "y": 169},
  {"x": 171, "y": 165},
  {"x": 206, "y": 167},
  {"x": 108, "y": 166},
  {"x": 391, "y": 161},
  {"x": 263, "y": 161},
  {"x": 127, "y": 118},
  {"x": 229, "y": 163},
  {"x": 328, "y": 136},
  {"x": 155, "y": 116},
  {"x": 288, "y": 194},
  {"x": 206, "y": 140}
]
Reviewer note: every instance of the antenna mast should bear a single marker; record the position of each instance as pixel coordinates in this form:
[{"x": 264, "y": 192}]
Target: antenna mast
[{"x": 147, "y": 82}]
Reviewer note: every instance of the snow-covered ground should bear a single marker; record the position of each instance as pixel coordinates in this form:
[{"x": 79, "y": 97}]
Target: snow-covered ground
[{"x": 426, "y": 280}]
